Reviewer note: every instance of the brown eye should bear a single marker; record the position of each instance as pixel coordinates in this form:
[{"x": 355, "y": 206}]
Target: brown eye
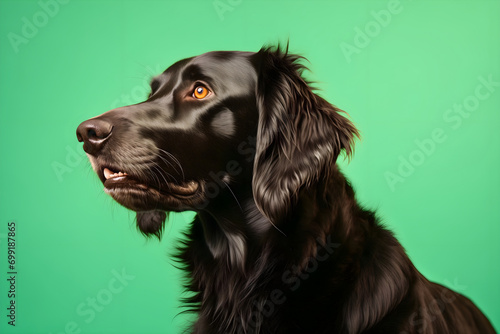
[{"x": 200, "y": 92}]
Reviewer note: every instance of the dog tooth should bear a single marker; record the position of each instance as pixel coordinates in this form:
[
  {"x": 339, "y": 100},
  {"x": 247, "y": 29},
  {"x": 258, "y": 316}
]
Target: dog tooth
[{"x": 107, "y": 173}]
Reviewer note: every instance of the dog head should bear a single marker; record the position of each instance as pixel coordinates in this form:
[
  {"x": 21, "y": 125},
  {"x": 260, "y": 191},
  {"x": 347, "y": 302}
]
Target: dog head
[{"x": 222, "y": 124}]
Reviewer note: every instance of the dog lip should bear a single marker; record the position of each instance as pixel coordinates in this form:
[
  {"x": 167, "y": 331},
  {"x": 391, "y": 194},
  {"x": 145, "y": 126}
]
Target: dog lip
[
  {"x": 185, "y": 189},
  {"x": 113, "y": 180},
  {"x": 125, "y": 181}
]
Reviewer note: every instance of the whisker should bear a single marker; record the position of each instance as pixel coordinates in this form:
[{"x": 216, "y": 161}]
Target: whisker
[
  {"x": 155, "y": 176},
  {"x": 167, "y": 158},
  {"x": 163, "y": 177},
  {"x": 162, "y": 173},
  {"x": 171, "y": 156},
  {"x": 166, "y": 161}
]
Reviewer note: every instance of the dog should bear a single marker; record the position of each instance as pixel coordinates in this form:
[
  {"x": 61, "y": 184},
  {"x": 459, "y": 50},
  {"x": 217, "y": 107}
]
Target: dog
[{"x": 279, "y": 243}]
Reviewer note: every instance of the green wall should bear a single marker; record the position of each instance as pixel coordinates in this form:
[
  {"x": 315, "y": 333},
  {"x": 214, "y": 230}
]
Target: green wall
[{"x": 420, "y": 79}]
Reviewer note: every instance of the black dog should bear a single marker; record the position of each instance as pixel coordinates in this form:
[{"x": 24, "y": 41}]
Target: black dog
[{"x": 279, "y": 244}]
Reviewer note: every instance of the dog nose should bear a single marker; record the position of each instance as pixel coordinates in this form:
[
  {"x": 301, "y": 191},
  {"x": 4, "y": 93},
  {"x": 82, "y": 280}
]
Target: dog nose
[{"x": 93, "y": 133}]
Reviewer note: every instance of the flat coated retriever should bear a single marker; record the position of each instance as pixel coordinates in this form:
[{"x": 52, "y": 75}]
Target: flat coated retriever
[{"x": 279, "y": 243}]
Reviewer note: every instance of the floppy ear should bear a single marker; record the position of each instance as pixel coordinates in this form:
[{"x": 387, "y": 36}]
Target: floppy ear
[{"x": 299, "y": 136}]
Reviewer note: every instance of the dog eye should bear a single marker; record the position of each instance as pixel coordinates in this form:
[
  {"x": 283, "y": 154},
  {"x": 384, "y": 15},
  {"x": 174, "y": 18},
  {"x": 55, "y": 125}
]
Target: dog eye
[{"x": 200, "y": 92}]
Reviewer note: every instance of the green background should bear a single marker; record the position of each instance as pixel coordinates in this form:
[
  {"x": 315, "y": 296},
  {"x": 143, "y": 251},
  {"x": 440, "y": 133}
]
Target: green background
[{"x": 399, "y": 86}]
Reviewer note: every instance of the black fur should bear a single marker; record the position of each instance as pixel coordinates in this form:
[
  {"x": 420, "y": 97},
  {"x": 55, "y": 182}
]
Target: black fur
[{"x": 279, "y": 243}]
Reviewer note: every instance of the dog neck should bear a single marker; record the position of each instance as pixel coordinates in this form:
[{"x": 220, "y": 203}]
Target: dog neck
[
  {"x": 234, "y": 227},
  {"x": 247, "y": 251}
]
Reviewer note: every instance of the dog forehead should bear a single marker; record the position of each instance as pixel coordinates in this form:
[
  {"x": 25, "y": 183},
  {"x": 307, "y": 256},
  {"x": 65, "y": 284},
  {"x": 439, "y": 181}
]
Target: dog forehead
[
  {"x": 229, "y": 67},
  {"x": 224, "y": 70},
  {"x": 216, "y": 59},
  {"x": 171, "y": 75}
]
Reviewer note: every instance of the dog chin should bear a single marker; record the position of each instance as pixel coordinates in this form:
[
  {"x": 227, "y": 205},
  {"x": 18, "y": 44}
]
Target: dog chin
[
  {"x": 143, "y": 199},
  {"x": 151, "y": 222}
]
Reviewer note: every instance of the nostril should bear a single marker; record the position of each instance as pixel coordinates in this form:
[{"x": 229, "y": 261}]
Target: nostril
[
  {"x": 97, "y": 132},
  {"x": 93, "y": 133}
]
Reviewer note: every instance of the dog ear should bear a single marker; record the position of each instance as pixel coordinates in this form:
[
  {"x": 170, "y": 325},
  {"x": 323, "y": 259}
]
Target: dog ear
[{"x": 299, "y": 136}]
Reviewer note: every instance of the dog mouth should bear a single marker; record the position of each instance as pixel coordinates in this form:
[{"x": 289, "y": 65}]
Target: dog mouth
[{"x": 115, "y": 181}]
